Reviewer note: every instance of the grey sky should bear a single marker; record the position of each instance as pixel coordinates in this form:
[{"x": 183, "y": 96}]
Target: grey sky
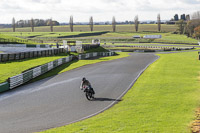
[{"x": 101, "y": 10}]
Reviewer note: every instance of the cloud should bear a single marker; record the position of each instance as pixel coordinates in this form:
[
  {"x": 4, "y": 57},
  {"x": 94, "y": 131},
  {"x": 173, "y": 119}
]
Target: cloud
[
  {"x": 47, "y": 1},
  {"x": 101, "y": 10}
]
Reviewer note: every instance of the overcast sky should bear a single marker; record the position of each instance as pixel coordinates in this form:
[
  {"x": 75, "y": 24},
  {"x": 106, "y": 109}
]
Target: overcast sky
[{"x": 101, "y": 10}]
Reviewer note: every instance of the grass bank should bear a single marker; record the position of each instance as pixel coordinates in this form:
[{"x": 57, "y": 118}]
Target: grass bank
[
  {"x": 13, "y": 68},
  {"x": 9, "y": 39},
  {"x": 163, "y": 99},
  {"x": 86, "y": 28},
  {"x": 104, "y": 36}
]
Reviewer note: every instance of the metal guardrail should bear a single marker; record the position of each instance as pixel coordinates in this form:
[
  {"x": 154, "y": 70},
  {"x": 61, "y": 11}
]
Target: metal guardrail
[
  {"x": 26, "y": 76},
  {"x": 90, "y": 55},
  {"x": 33, "y": 73}
]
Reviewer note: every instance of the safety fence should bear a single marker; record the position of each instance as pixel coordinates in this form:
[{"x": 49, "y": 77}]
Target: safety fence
[
  {"x": 26, "y": 76},
  {"x": 152, "y": 47},
  {"x": 26, "y": 45},
  {"x": 30, "y": 54},
  {"x": 95, "y": 54},
  {"x": 90, "y": 46}
]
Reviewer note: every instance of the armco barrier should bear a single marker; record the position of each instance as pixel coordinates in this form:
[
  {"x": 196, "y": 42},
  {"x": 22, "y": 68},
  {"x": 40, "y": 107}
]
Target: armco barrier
[
  {"x": 4, "y": 87},
  {"x": 30, "y": 74},
  {"x": 90, "y": 55},
  {"x": 37, "y": 71}
]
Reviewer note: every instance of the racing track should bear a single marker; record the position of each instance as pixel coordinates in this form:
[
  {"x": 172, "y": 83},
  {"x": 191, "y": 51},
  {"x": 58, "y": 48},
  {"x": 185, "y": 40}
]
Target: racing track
[{"x": 57, "y": 101}]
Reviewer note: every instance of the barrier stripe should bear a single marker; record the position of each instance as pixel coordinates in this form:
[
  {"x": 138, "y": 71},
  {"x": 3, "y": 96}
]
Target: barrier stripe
[
  {"x": 36, "y": 71},
  {"x": 16, "y": 81}
]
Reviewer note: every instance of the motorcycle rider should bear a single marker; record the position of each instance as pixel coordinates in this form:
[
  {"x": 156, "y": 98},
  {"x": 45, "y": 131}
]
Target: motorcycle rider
[{"x": 87, "y": 83}]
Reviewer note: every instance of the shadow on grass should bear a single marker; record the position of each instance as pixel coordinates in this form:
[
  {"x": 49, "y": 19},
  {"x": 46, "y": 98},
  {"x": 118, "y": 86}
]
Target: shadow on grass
[{"x": 84, "y": 35}]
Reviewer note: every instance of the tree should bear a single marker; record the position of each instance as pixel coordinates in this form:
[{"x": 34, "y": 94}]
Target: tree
[
  {"x": 197, "y": 32},
  {"x": 181, "y": 26},
  {"x": 32, "y": 25},
  {"x": 51, "y": 24},
  {"x": 136, "y": 23},
  {"x": 196, "y": 15},
  {"x": 71, "y": 23},
  {"x": 114, "y": 24},
  {"x": 13, "y": 24},
  {"x": 191, "y": 25},
  {"x": 159, "y": 22},
  {"x": 91, "y": 23},
  {"x": 187, "y": 17}
]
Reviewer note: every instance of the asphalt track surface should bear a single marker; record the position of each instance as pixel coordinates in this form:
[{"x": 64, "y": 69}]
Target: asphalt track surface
[{"x": 58, "y": 100}]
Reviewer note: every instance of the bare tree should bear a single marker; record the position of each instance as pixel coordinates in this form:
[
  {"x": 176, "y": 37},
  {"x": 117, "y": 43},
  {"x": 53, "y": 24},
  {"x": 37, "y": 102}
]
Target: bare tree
[
  {"x": 181, "y": 26},
  {"x": 32, "y": 25},
  {"x": 71, "y": 23},
  {"x": 192, "y": 23},
  {"x": 114, "y": 24},
  {"x": 136, "y": 23},
  {"x": 196, "y": 15},
  {"x": 159, "y": 22},
  {"x": 51, "y": 25},
  {"x": 13, "y": 24},
  {"x": 187, "y": 18},
  {"x": 91, "y": 23}
]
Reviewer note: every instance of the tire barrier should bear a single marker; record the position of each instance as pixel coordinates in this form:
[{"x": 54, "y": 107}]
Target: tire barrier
[{"x": 26, "y": 76}]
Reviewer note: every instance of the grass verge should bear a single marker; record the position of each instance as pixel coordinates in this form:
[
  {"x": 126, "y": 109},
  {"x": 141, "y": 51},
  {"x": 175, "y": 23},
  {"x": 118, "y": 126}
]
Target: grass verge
[
  {"x": 12, "y": 68},
  {"x": 163, "y": 99}
]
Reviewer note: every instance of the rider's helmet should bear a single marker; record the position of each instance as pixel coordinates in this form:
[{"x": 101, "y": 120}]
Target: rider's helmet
[{"x": 84, "y": 79}]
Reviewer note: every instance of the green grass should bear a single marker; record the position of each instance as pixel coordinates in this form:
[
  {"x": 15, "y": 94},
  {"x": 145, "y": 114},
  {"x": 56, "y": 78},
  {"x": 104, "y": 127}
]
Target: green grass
[
  {"x": 12, "y": 39},
  {"x": 166, "y": 37},
  {"x": 85, "y": 28},
  {"x": 163, "y": 100},
  {"x": 150, "y": 44},
  {"x": 13, "y": 68},
  {"x": 51, "y": 37}
]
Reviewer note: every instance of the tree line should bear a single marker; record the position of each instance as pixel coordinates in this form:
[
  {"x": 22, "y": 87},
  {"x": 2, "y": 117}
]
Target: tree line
[
  {"x": 49, "y": 22},
  {"x": 190, "y": 27},
  {"x": 34, "y": 23}
]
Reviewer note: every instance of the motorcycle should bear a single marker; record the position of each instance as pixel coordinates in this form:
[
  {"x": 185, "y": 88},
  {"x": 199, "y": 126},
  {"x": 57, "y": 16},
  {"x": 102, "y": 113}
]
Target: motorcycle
[{"x": 88, "y": 93}]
